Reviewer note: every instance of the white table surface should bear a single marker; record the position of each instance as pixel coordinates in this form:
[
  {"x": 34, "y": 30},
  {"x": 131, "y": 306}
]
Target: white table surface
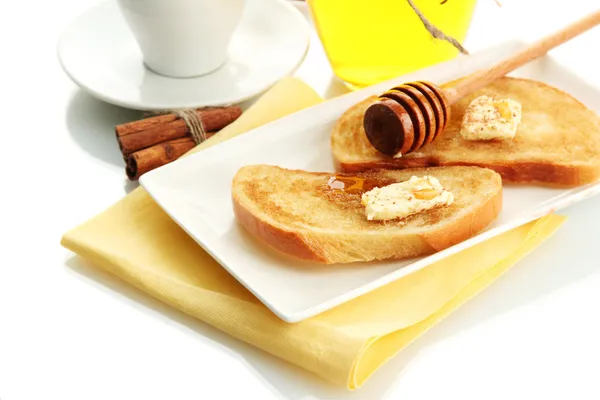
[{"x": 71, "y": 332}]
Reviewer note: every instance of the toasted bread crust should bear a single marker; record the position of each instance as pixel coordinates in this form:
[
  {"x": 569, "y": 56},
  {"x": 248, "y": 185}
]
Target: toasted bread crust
[
  {"x": 467, "y": 226},
  {"x": 543, "y": 174},
  {"x": 520, "y": 163},
  {"x": 296, "y": 245},
  {"x": 288, "y": 242},
  {"x": 343, "y": 246}
]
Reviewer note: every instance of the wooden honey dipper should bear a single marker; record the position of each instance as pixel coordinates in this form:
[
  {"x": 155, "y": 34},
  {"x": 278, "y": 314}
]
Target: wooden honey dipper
[{"x": 409, "y": 116}]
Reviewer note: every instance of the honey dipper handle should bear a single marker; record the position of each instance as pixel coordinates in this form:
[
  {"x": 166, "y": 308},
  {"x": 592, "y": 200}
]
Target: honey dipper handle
[{"x": 537, "y": 49}]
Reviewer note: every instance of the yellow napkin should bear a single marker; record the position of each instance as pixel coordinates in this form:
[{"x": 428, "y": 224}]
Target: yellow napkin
[{"x": 135, "y": 240}]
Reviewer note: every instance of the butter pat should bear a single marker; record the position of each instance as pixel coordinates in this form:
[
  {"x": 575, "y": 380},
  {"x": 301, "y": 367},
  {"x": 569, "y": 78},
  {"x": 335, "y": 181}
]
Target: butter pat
[
  {"x": 487, "y": 119},
  {"x": 400, "y": 200}
]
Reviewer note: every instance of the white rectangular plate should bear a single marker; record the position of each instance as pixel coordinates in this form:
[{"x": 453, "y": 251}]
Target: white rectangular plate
[{"x": 196, "y": 192}]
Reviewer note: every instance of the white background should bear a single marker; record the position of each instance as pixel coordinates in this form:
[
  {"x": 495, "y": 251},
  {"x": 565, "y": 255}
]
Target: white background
[{"x": 70, "y": 332}]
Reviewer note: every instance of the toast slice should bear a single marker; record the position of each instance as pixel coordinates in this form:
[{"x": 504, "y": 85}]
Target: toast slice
[
  {"x": 299, "y": 213},
  {"x": 556, "y": 144}
]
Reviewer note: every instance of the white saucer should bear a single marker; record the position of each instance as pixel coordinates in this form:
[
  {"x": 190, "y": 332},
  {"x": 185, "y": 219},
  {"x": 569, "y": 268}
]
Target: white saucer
[{"x": 99, "y": 54}]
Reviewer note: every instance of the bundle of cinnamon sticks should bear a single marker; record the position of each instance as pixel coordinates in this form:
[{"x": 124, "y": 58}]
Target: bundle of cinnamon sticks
[{"x": 152, "y": 142}]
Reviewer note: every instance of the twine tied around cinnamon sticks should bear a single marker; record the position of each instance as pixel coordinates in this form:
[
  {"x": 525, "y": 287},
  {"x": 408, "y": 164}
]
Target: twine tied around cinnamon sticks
[
  {"x": 194, "y": 124},
  {"x": 152, "y": 142}
]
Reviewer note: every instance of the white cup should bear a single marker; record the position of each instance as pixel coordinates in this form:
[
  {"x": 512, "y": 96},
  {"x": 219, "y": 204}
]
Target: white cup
[{"x": 182, "y": 38}]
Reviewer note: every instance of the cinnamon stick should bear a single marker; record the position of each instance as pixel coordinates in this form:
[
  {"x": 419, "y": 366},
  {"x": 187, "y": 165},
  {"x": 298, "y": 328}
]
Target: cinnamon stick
[
  {"x": 137, "y": 135},
  {"x": 145, "y": 160}
]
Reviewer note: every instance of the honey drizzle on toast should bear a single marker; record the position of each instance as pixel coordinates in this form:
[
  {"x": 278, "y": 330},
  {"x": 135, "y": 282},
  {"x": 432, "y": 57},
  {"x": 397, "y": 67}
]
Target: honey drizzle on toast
[{"x": 356, "y": 184}]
